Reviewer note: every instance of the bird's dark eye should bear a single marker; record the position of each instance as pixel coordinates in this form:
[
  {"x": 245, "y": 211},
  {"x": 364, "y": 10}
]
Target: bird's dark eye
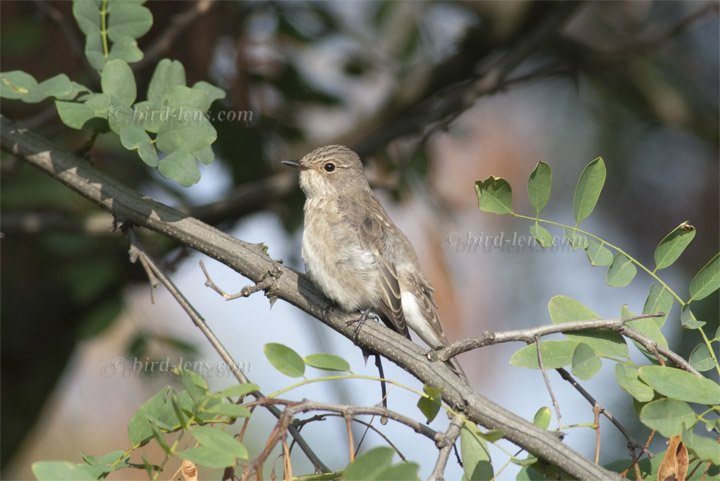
[{"x": 329, "y": 167}]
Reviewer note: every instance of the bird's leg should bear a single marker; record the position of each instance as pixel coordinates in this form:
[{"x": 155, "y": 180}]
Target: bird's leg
[{"x": 363, "y": 317}]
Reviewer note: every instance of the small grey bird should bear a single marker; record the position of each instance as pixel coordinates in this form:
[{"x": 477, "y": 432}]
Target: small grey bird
[{"x": 355, "y": 254}]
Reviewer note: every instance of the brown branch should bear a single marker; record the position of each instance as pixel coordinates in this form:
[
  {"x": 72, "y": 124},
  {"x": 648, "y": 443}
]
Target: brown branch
[
  {"x": 157, "y": 273},
  {"x": 254, "y": 263},
  {"x": 656, "y": 348},
  {"x": 632, "y": 444},
  {"x": 489, "y": 338},
  {"x": 445, "y": 448},
  {"x": 547, "y": 384}
]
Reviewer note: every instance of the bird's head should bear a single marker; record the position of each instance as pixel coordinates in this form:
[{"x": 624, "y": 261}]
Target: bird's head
[{"x": 330, "y": 170}]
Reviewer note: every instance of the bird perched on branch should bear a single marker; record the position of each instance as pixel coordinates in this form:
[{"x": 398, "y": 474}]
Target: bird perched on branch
[{"x": 356, "y": 255}]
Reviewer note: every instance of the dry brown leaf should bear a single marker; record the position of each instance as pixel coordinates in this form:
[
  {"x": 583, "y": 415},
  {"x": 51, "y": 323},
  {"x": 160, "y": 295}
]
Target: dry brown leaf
[
  {"x": 189, "y": 470},
  {"x": 675, "y": 463}
]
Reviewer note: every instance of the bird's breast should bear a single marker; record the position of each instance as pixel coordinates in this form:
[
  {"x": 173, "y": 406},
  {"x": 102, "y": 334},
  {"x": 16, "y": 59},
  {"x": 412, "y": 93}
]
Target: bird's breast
[{"x": 335, "y": 260}]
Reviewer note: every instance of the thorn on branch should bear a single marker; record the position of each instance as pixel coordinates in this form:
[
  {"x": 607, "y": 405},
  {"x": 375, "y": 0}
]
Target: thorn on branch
[{"x": 266, "y": 284}]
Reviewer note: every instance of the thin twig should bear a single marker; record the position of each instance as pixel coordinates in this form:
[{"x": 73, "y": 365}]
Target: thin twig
[
  {"x": 199, "y": 321},
  {"x": 528, "y": 335},
  {"x": 596, "y": 419},
  {"x": 295, "y": 407},
  {"x": 246, "y": 291},
  {"x": 653, "y": 346},
  {"x": 648, "y": 46},
  {"x": 451, "y": 435},
  {"x": 631, "y": 441},
  {"x": 547, "y": 384}
]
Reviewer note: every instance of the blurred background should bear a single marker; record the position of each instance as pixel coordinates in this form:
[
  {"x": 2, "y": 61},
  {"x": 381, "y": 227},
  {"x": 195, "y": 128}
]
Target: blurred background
[{"x": 433, "y": 96}]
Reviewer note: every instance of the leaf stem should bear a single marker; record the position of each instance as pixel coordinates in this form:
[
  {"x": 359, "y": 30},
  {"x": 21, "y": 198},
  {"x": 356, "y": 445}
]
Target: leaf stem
[{"x": 103, "y": 27}]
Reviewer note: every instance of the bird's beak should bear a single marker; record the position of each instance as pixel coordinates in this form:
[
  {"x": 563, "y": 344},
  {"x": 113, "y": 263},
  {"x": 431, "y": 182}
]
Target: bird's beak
[{"x": 295, "y": 164}]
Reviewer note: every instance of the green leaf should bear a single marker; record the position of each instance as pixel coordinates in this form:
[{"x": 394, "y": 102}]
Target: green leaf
[
  {"x": 667, "y": 416},
  {"x": 240, "y": 390},
  {"x": 139, "y": 429},
  {"x": 673, "y": 245},
  {"x": 181, "y": 167},
  {"x": 688, "y": 319},
  {"x": 58, "y": 86},
  {"x": 126, "y": 49},
  {"x": 62, "y": 471},
  {"x": 707, "y": 280},
  {"x": 539, "y": 186},
  {"x": 430, "y": 405},
  {"x": 185, "y": 130},
  {"x": 16, "y": 84},
  {"x": 74, "y": 114},
  {"x": 627, "y": 379},
  {"x": 228, "y": 409},
  {"x": 194, "y": 384},
  {"x": 284, "y": 359},
  {"x": 588, "y": 189},
  {"x": 704, "y": 448},
  {"x": 204, "y": 156},
  {"x": 621, "y": 272},
  {"x": 681, "y": 385},
  {"x": 327, "y": 362},
  {"x": 369, "y": 465},
  {"x": 108, "y": 463},
  {"x": 598, "y": 254},
  {"x": 659, "y": 300},
  {"x": 204, "y": 456},
  {"x": 148, "y": 154},
  {"x": 585, "y": 363},
  {"x": 182, "y": 96},
  {"x": 542, "y": 417},
  {"x": 94, "y": 49},
  {"x": 126, "y": 19},
  {"x": 541, "y": 235},
  {"x": 577, "y": 240},
  {"x": 134, "y": 137},
  {"x": 214, "y": 438},
  {"x": 646, "y": 327},
  {"x": 399, "y": 472},
  {"x": 87, "y": 15},
  {"x": 168, "y": 73},
  {"x": 131, "y": 136},
  {"x": 555, "y": 354},
  {"x": 701, "y": 359},
  {"x": 117, "y": 79},
  {"x": 494, "y": 195},
  {"x": 212, "y": 93},
  {"x": 475, "y": 455},
  {"x": 99, "y": 104},
  {"x": 604, "y": 342}
]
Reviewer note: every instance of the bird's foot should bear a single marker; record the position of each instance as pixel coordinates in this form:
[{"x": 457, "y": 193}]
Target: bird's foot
[{"x": 363, "y": 317}]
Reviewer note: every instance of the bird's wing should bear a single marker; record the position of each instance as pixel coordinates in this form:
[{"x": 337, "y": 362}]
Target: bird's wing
[{"x": 372, "y": 229}]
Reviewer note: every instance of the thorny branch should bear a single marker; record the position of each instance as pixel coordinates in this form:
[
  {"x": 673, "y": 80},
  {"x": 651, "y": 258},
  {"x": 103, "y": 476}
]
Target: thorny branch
[{"x": 155, "y": 272}]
